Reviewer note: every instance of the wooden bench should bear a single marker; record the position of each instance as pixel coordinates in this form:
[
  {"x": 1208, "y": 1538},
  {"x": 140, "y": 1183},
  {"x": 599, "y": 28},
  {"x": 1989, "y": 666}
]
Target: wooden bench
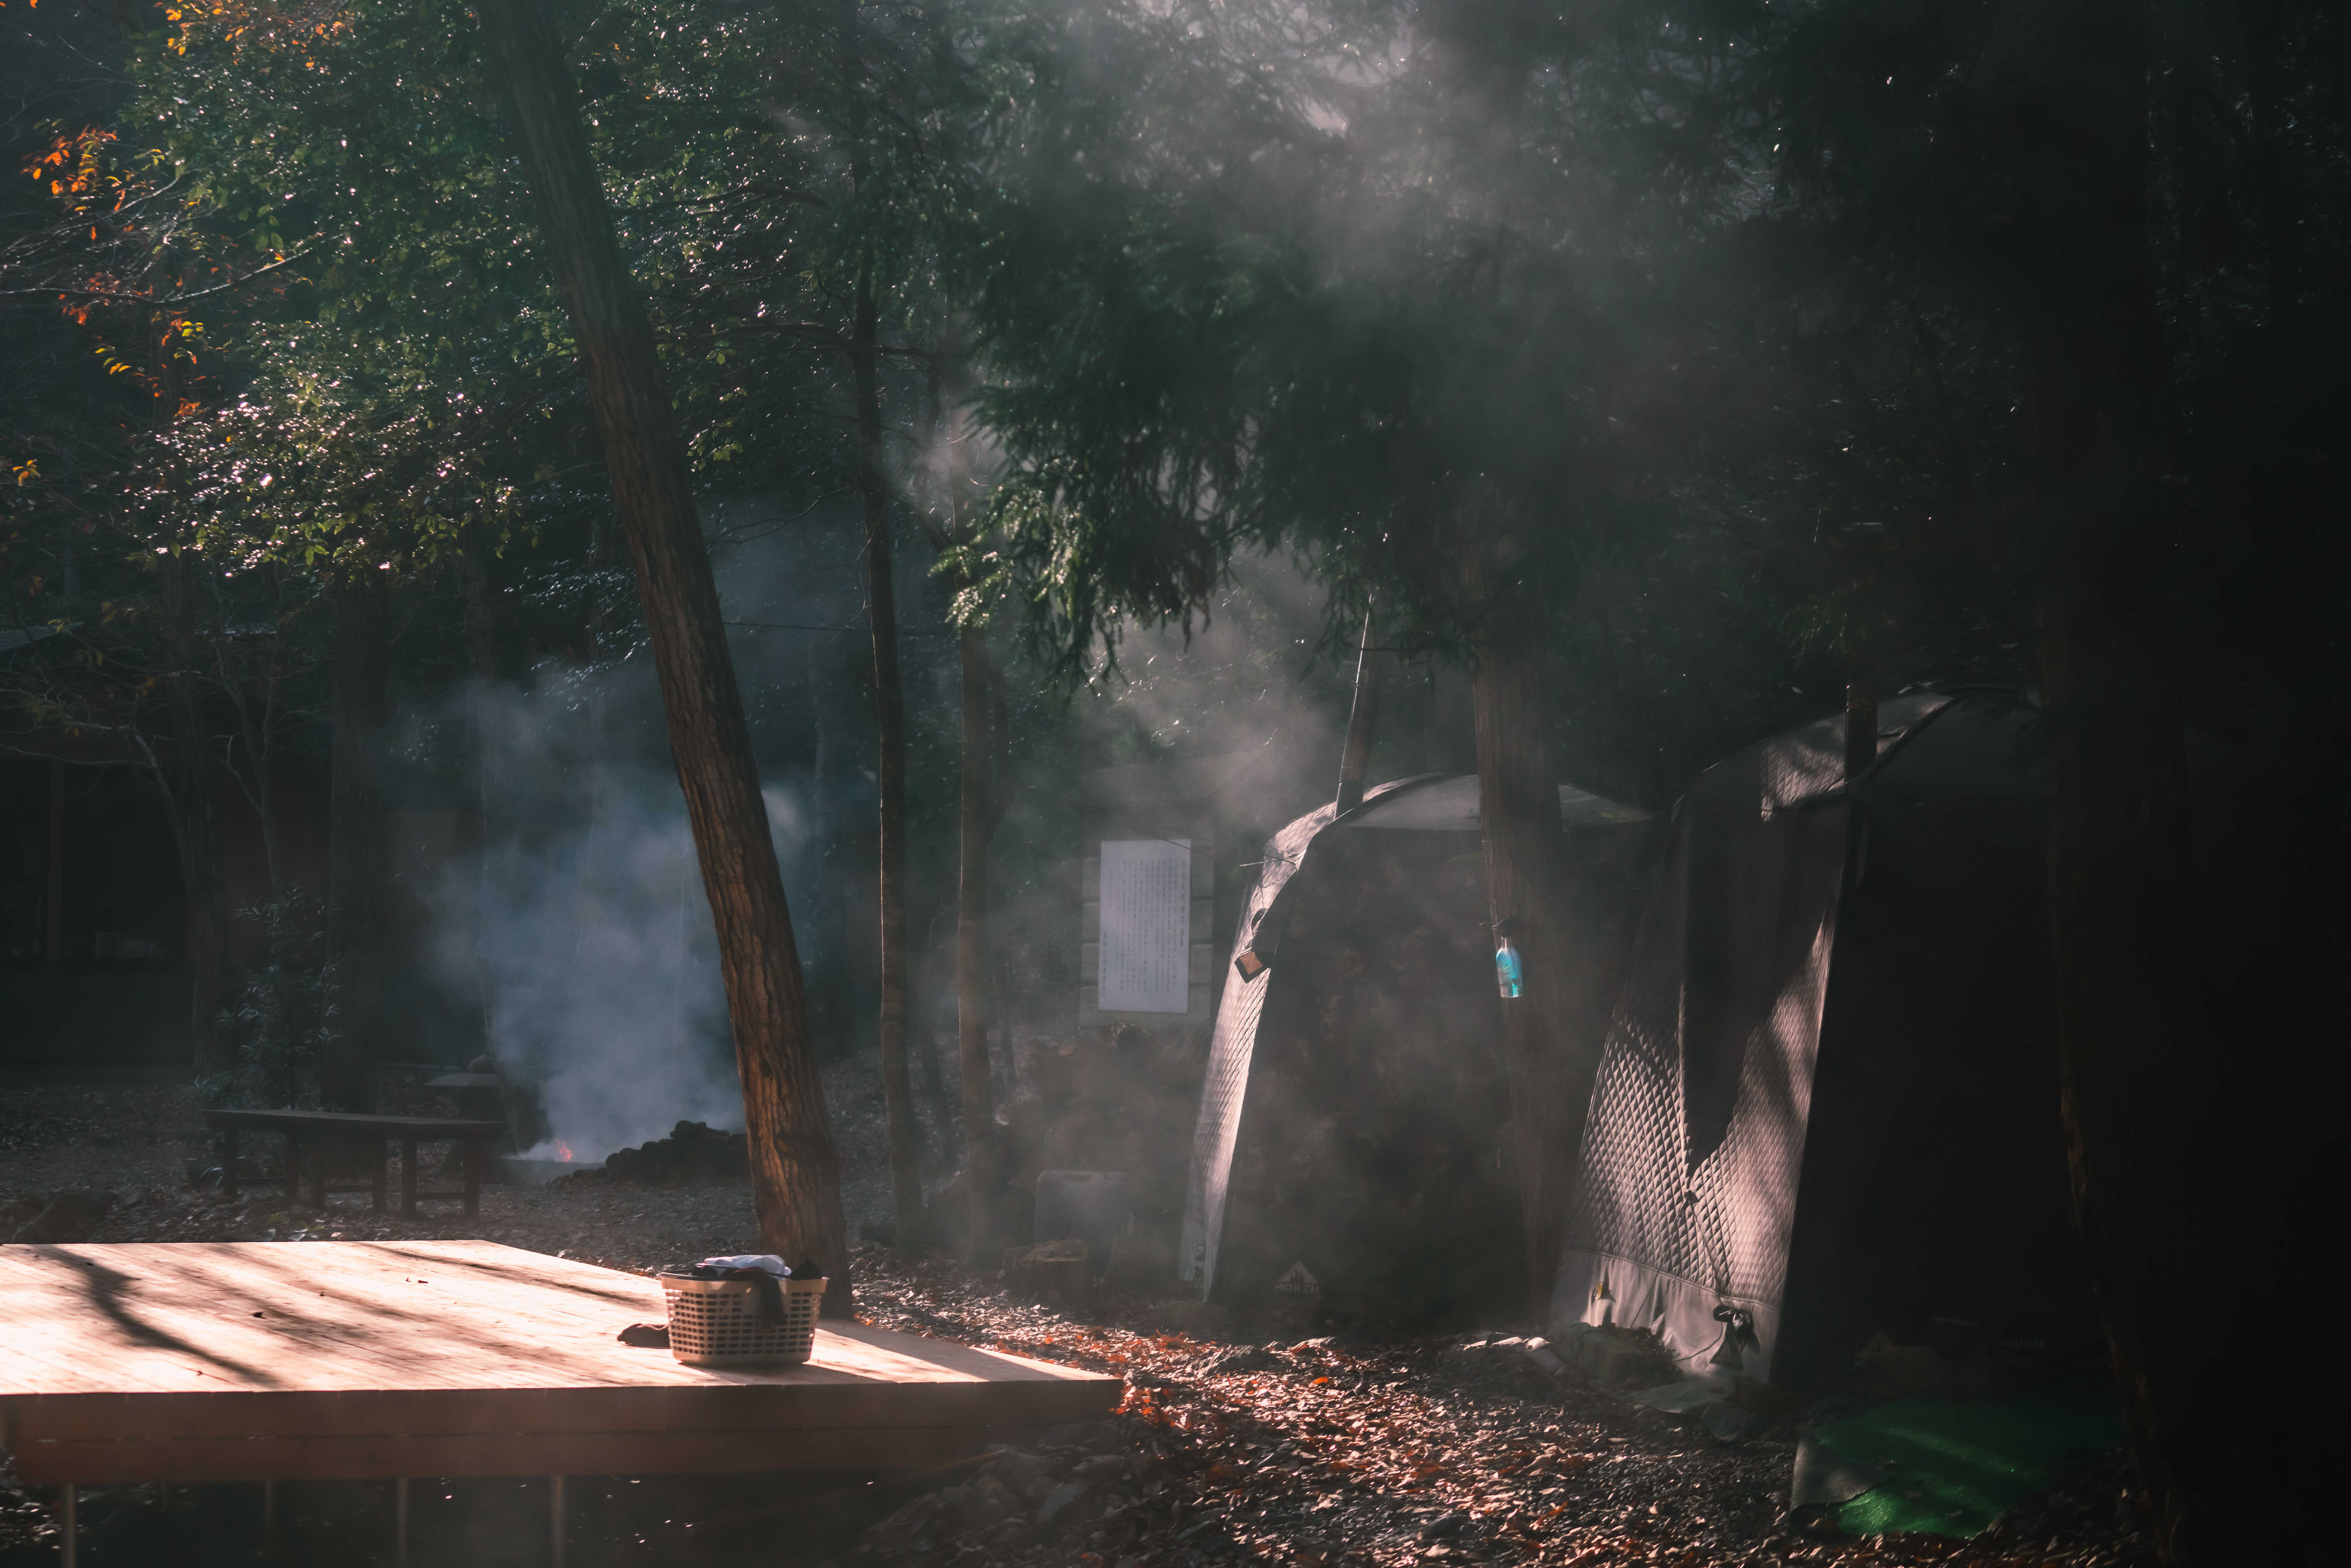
[{"x": 312, "y": 1133}]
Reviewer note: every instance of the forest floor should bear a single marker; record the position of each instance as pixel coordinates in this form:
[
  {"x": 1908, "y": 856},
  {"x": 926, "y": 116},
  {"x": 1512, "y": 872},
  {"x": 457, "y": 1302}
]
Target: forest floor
[{"x": 1231, "y": 1448}]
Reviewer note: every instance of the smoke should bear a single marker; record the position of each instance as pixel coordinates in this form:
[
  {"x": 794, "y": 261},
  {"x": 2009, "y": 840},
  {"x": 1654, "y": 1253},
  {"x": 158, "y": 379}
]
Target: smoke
[
  {"x": 579, "y": 946},
  {"x": 578, "y": 943},
  {"x": 1256, "y": 686},
  {"x": 1244, "y": 685},
  {"x": 584, "y": 938},
  {"x": 578, "y": 949}
]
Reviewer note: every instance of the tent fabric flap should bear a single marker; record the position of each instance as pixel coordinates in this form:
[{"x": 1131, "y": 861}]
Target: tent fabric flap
[
  {"x": 1685, "y": 1186},
  {"x": 1616, "y": 1292},
  {"x": 1232, "y": 1046}
]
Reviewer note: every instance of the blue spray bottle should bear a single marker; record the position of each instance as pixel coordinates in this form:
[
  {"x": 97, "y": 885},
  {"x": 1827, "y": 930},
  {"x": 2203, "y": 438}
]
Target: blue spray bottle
[{"x": 1510, "y": 973}]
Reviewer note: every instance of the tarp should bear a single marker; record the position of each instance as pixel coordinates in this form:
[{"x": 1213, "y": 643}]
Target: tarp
[
  {"x": 1951, "y": 1466},
  {"x": 1684, "y": 1202}
]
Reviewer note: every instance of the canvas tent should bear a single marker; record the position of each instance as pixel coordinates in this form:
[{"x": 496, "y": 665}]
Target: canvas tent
[
  {"x": 1827, "y": 1105},
  {"x": 1353, "y": 1099}
]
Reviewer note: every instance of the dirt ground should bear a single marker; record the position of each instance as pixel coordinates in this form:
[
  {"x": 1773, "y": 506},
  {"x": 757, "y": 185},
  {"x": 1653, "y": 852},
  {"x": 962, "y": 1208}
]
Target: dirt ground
[{"x": 1234, "y": 1444}]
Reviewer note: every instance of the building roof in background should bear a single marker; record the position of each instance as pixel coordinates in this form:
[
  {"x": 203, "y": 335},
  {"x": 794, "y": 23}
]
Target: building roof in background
[{"x": 14, "y": 637}]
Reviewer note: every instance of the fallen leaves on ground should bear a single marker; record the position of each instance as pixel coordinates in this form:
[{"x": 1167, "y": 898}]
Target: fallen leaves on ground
[{"x": 1415, "y": 1451}]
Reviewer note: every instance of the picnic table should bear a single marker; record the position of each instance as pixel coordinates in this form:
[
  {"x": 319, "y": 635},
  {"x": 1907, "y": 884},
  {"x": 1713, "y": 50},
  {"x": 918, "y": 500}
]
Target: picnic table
[{"x": 317, "y": 1134}]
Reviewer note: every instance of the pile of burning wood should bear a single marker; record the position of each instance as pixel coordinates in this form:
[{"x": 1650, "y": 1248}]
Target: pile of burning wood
[{"x": 693, "y": 1151}]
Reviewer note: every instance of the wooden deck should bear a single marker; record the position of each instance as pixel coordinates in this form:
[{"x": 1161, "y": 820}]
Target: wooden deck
[{"x": 258, "y": 1361}]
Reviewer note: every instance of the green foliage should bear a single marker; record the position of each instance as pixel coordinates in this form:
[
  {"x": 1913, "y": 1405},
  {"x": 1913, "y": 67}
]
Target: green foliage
[
  {"x": 1706, "y": 300},
  {"x": 1710, "y": 303},
  {"x": 1319, "y": 281},
  {"x": 386, "y": 400},
  {"x": 284, "y": 1021}
]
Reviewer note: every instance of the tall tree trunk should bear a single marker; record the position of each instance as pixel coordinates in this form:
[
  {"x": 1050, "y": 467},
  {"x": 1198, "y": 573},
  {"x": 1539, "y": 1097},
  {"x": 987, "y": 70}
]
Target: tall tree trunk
[
  {"x": 1477, "y": 68},
  {"x": 2123, "y": 918},
  {"x": 188, "y": 787},
  {"x": 1550, "y": 1041},
  {"x": 2139, "y": 1074},
  {"x": 196, "y": 820},
  {"x": 925, "y": 1045},
  {"x": 980, "y": 807},
  {"x": 482, "y": 645},
  {"x": 983, "y": 789},
  {"x": 922, "y": 1055},
  {"x": 260, "y": 737},
  {"x": 890, "y": 768},
  {"x": 356, "y": 853},
  {"x": 53, "y": 891},
  {"x": 2262, "y": 25},
  {"x": 796, "y": 1170},
  {"x": 888, "y": 695},
  {"x": 829, "y": 1005},
  {"x": 984, "y": 793},
  {"x": 587, "y": 914}
]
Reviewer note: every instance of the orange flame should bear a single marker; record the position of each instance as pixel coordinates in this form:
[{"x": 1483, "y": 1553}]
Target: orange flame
[{"x": 563, "y": 1151}]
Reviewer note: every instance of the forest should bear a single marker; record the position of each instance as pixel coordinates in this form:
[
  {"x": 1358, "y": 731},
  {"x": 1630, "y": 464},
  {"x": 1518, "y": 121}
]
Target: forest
[{"x": 788, "y": 445}]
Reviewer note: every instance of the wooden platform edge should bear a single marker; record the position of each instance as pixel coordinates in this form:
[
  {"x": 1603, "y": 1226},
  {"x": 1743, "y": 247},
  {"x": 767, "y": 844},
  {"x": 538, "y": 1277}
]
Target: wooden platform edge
[
  {"x": 243, "y": 1415},
  {"x": 387, "y": 1456}
]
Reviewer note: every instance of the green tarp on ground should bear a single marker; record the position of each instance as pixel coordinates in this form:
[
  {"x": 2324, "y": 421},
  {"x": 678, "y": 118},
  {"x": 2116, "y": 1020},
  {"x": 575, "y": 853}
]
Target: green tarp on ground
[{"x": 1953, "y": 1466}]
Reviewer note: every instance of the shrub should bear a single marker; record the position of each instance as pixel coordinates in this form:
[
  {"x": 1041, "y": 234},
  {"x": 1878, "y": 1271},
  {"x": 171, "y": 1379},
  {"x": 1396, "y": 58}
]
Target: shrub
[{"x": 284, "y": 1020}]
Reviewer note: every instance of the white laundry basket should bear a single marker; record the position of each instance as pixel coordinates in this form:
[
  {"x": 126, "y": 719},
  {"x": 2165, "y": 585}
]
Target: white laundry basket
[{"x": 715, "y": 1323}]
